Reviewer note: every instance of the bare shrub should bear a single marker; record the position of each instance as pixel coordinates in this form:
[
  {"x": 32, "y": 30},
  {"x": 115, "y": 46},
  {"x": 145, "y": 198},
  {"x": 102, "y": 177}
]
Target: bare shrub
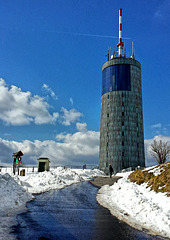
[{"x": 160, "y": 151}]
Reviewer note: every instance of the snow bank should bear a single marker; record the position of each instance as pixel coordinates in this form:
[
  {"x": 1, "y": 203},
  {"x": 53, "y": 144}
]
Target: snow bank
[
  {"x": 55, "y": 179},
  {"x": 13, "y": 196},
  {"x": 137, "y": 205},
  {"x": 12, "y": 200},
  {"x": 15, "y": 191}
]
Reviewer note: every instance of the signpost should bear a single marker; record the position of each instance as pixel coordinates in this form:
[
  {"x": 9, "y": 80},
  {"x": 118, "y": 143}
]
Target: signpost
[{"x": 17, "y": 161}]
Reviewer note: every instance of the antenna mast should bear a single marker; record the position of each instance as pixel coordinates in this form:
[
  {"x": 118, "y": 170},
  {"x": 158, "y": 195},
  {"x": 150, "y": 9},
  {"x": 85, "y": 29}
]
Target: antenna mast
[
  {"x": 133, "y": 51},
  {"x": 108, "y": 55},
  {"x": 120, "y": 44}
]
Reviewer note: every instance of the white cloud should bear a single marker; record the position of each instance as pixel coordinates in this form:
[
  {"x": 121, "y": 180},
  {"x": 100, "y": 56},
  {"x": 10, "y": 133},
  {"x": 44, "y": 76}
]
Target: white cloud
[
  {"x": 165, "y": 130},
  {"x": 49, "y": 91},
  {"x": 159, "y": 129},
  {"x": 162, "y": 11},
  {"x": 71, "y": 101},
  {"x": 80, "y": 145},
  {"x": 81, "y": 127},
  {"x": 76, "y": 149},
  {"x": 20, "y": 108},
  {"x": 70, "y": 116},
  {"x": 68, "y": 149},
  {"x": 158, "y": 125}
]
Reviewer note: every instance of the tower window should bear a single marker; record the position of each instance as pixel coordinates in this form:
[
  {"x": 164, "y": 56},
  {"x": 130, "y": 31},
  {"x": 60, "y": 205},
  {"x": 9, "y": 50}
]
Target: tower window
[
  {"x": 107, "y": 114},
  {"x": 116, "y": 78},
  {"x": 122, "y": 133},
  {"x": 108, "y": 96},
  {"x": 107, "y": 144},
  {"x": 122, "y": 113},
  {"x": 123, "y": 154},
  {"x": 123, "y": 143},
  {"x": 122, "y": 104},
  {"x": 122, "y": 123},
  {"x": 137, "y": 144},
  {"x": 107, "y": 154},
  {"x": 137, "y": 134}
]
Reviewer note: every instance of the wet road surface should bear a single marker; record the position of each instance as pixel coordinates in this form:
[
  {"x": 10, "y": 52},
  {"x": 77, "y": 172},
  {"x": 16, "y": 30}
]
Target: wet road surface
[
  {"x": 72, "y": 213},
  {"x": 101, "y": 181}
]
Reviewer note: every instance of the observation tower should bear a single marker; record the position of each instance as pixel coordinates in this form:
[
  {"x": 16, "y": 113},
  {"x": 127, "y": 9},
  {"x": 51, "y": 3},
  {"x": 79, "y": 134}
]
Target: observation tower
[{"x": 121, "y": 122}]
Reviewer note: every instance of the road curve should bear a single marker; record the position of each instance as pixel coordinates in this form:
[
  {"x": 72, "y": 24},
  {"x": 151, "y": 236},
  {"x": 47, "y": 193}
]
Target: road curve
[{"x": 72, "y": 213}]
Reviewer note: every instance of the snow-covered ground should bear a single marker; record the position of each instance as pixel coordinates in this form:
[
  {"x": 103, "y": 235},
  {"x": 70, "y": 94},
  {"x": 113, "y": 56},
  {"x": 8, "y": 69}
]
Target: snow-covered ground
[
  {"x": 15, "y": 191},
  {"x": 132, "y": 203},
  {"x": 137, "y": 205},
  {"x": 55, "y": 179}
]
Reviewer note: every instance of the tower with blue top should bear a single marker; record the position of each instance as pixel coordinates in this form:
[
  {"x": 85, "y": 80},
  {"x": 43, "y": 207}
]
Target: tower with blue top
[{"x": 121, "y": 122}]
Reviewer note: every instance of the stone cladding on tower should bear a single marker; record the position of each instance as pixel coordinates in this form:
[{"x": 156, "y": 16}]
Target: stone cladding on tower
[{"x": 121, "y": 123}]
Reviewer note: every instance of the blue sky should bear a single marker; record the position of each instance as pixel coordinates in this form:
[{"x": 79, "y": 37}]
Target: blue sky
[{"x": 51, "y": 56}]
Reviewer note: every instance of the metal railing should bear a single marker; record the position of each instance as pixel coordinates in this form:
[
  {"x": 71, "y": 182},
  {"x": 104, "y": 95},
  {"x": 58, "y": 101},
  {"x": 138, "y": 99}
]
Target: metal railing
[{"x": 33, "y": 168}]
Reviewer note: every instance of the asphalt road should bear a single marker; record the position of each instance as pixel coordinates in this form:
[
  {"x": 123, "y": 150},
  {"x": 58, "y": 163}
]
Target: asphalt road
[
  {"x": 72, "y": 213},
  {"x": 101, "y": 181}
]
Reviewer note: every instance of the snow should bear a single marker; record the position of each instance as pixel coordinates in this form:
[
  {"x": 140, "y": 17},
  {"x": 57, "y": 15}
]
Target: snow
[
  {"x": 156, "y": 171},
  {"x": 137, "y": 205},
  {"x": 12, "y": 200},
  {"x": 55, "y": 179},
  {"x": 15, "y": 191},
  {"x": 12, "y": 194}
]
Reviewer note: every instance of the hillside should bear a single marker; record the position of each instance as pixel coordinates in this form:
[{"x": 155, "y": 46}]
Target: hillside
[
  {"x": 141, "y": 199},
  {"x": 157, "y": 178}
]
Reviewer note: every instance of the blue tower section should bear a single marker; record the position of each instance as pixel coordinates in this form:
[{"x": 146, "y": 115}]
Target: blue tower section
[{"x": 116, "y": 78}]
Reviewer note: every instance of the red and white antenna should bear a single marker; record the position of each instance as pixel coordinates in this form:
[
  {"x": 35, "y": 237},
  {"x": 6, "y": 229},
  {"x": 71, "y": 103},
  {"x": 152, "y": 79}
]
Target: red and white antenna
[{"x": 120, "y": 44}]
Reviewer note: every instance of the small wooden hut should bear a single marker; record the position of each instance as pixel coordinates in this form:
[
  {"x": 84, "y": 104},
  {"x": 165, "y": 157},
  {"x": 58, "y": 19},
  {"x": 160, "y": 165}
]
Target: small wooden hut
[{"x": 43, "y": 164}]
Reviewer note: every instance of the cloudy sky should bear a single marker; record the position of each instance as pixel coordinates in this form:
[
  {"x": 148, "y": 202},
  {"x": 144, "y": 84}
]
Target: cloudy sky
[{"x": 51, "y": 56}]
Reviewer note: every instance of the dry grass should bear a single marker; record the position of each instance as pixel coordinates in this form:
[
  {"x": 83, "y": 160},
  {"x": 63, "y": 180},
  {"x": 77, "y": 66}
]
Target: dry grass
[{"x": 159, "y": 183}]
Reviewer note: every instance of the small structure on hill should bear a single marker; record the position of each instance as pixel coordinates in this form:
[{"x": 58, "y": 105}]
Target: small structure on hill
[
  {"x": 17, "y": 160},
  {"x": 43, "y": 164}
]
